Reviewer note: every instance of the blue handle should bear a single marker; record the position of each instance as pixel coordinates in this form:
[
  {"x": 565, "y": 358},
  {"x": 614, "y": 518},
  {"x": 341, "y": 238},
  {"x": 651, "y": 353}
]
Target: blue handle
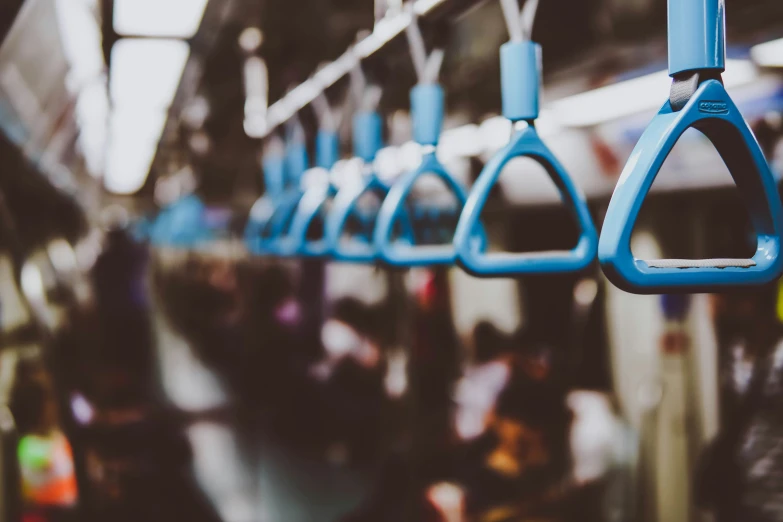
[
  {"x": 520, "y": 80},
  {"x": 711, "y": 111},
  {"x": 697, "y": 35},
  {"x": 268, "y": 223},
  {"x": 353, "y": 249},
  {"x": 274, "y": 166},
  {"x": 367, "y": 135},
  {"x": 293, "y": 241},
  {"x": 297, "y": 162},
  {"x": 472, "y": 256},
  {"x": 327, "y": 149},
  {"x": 312, "y": 204},
  {"x": 404, "y": 253},
  {"x": 180, "y": 225}
]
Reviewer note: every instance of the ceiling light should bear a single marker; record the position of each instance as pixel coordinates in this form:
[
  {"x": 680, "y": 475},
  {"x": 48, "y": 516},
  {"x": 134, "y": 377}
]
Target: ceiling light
[
  {"x": 251, "y": 39},
  {"x": 133, "y": 143},
  {"x": 161, "y": 18},
  {"x": 630, "y": 97},
  {"x": 146, "y": 73},
  {"x": 768, "y": 54},
  {"x": 81, "y": 41}
]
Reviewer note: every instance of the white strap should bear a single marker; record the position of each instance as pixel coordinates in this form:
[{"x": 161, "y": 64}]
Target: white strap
[
  {"x": 427, "y": 66},
  {"x": 520, "y": 26}
]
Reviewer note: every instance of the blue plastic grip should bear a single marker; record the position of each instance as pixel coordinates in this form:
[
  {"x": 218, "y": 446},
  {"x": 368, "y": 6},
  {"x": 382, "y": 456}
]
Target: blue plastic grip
[
  {"x": 327, "y": 149},
  {"x": 697, "y": 35},
  {"x": 427, "y": 108},
  {"x": 274, "y": 174},
  {"x": 367, "y": 135},
  {"x": 297, "y": 162},
  {"x": 404, "y": 254},
  {"x": 711, "y": 111},
  {"x": 471, "y": 254},
  {"x": 520, "y": 80}
]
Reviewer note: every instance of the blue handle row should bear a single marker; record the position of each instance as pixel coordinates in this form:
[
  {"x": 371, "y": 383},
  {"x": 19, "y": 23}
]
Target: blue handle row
[
  {"x": 712, "y": 112},
  {"x": 473, "y": 257}
]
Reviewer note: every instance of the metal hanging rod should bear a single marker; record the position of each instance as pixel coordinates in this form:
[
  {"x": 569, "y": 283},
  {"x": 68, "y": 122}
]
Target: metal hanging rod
[{"x": 386, "y": 29}]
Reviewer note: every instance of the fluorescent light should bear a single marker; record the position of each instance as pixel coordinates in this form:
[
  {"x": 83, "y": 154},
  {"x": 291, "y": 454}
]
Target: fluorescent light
[
  {"x": 161, "y": 18},
  {"x": 768, "y": 54},
  {"x": 81, "y": 42},
  {"x": 92, "y": 117},
  {"x": 145, "y": 74},
  {"x": 132, "y": 147},
  {"x": 630, "y": 97}
]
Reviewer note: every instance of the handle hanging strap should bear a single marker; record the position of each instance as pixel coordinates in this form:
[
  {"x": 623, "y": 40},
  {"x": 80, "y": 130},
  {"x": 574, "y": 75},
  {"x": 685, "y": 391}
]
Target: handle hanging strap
[
  {"x": 520, "y": 25},
  {"x": 427, "y": 66}
]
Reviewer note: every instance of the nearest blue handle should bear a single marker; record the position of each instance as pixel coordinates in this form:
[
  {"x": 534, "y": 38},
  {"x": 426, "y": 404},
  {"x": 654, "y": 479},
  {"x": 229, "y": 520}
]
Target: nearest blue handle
[
  {"x": 471, "y": 255},
  {"x": 404, "y": 254},
  {"x": 712, "y": 112},
  {"x": 697, "y": 35}
]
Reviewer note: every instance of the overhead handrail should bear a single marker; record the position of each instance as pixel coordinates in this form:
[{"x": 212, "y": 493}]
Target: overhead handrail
[
  {"x": 520, "y": 67},
  {"x": 698, "y": 99},
  {"x": 386, "y": 29},
  {"x": 427, "y": 111}
]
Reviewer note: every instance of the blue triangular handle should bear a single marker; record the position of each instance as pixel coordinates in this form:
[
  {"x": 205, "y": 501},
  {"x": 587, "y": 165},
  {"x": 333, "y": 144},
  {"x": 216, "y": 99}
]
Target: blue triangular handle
[
  {"x": 471, "y": 254},
  {"x": 280, "y": 224},
  {"x": 354, "y": 249},
  {"x": 268, "y": 222},
  {"x": 312, "y": 204},
  {"x": 711, "y": 111},
  {"x": 180, "y": 225},
  {"x": 403, "y": 253}
]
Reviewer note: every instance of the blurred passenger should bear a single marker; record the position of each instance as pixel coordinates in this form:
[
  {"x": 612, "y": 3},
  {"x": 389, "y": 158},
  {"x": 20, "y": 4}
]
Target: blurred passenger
[
  {"x": 739, "y": 476},
  {"x": 45, "y": 456}
]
